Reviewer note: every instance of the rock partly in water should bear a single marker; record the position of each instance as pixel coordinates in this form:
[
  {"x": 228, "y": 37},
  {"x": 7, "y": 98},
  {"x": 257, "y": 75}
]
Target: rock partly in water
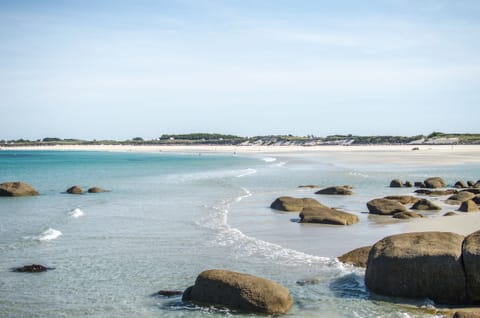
[
  {"x": 471, "y": 261},
  {"x": 460, "y": 185},
  {"x": 75, "y": 190},
  {"x": 407, "y": 215},
  {"x": 17, "y": 189},
  {"x": 436, "y": 193},
  {"x": 307, "y": 281},
  {"x": 385, "y": 207},
  {"x": 418, "y": 265},
  {"x": 476, "y": 199},
  {"x": 34, "y": 268},
  {"x": 408, "y": 184},
  {"x": 326, "y": 215},
  {"x": 403, "y": 199},
  {"x": 309, "y": 186},
  {"x": 468, "y": 206},
  {"x": 419, "y": 184},
  {"x": 425, "y": 205},
  {"x": 169, "y": 293},
  {"x": 337, "y": 190},
  {"x": 95, "y": 190},
  {"x": 291, "y": 204},
  {"x": 357, "y": 257},
  {"x": 396, "y": 183},
  {"x": 239, "y": 291},
  {"x": 434, "y": 182}
]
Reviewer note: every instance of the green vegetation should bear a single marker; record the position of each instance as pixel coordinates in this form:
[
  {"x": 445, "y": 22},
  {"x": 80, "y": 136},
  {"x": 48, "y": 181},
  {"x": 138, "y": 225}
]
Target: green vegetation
[{"x": 221, "y": 139}]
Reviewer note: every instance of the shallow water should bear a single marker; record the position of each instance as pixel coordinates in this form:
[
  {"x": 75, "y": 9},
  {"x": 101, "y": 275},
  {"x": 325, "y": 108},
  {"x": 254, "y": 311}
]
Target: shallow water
[{"x": 167, "y": 217}]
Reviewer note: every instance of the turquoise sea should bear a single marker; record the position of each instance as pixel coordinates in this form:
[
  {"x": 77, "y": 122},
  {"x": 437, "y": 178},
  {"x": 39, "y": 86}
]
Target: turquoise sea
[{"x": 167, "y": 217}]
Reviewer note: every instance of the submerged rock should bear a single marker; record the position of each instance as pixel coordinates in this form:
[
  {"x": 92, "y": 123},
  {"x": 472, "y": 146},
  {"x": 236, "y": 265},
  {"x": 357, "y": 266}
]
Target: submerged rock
[
  {"x": 385, "y": 207},
  {"x": 336, "y": 190},
  {"x": 75, "y": 190},
  {"x": 17, "y": 189},
  {"x": 169, "y": 293},
  {"x": 418, "y": 265},
  {"x": 308, "y": 281},
  {"x": 407, "y": 215},
  {"x": 326, "y": 215},
  {"x": 95, "y": 190},
  {"x": 357, "y": 257},
  {"x": 291, "y": 204},
  {"x": 34, "y": 268},
  {"x": 239, "y": 291}
]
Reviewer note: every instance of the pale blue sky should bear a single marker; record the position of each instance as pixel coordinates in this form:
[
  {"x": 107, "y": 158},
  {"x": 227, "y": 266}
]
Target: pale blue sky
[{"x": 120, "y": 69}]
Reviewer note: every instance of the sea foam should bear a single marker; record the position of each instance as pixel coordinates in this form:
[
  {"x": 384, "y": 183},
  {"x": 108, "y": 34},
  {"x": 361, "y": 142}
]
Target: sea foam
[
  {"x": 76, "y": 213},
  {"x": 49, "y": 235},
  {"x": 247, "y": 246},
  {"x": 246, "y": 172},
  {"x": 269, "y": 159}
]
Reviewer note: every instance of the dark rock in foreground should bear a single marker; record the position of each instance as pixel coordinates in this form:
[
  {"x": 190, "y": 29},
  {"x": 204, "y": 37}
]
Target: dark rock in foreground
[
  {"x": 425, "y": 205},
  {"x": 385, "y": 207},
  {"x": 418, "y": 265},
  {"x": 239, "y": 291},
  {"x": 291, "y": 204},
  {"x": 16, "y": 189},
  {"x": 75, "y": 190},
  {"x": 357, "y": 257},
  {"x": 337, "y": 190},
  {"x": 34, "y": 268},
  {"x": 326, "y": 215}
]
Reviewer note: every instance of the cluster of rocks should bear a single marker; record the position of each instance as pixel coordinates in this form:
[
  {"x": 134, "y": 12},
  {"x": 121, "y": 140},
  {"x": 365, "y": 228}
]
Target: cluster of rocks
[
  {"x": 21, "y": 189},
  {"x": 78, "y": 190},
  {"x": 312, "y": 211}
]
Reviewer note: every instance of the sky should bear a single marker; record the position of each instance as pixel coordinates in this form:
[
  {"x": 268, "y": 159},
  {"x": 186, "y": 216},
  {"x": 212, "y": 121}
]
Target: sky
[{"x": 114, "y": 69}]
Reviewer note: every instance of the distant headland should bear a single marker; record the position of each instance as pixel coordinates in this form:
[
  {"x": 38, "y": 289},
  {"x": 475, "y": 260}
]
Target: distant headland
[{"x": 435, "y": 138}]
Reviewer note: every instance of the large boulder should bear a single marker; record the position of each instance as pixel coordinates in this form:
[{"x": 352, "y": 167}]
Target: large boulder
[
  {"x": 467, "y": 314},
  {"x": 291, "y": 204},
  {"x": 357, "y": 257},
  {"x": 434, "y": 182},
  {"x": 385, "y": 207},
  {"x": 471, "y": 261},
  {"x": 468, "y": 206},
  {"x": 74, "y": 190},
  {"x": 403, "y": 199},
  {"x": 460, "y": 197},
  {"x": 337, "y": 190},
  {"x": 396, "y": 183},
  {"x": 418, "y": 265},
  {"x": 425, "y": 205},
  {"x": 239, "y": 291},
  {"x": 16, "y": 189},
  {"x": 326, "y": 215}
]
